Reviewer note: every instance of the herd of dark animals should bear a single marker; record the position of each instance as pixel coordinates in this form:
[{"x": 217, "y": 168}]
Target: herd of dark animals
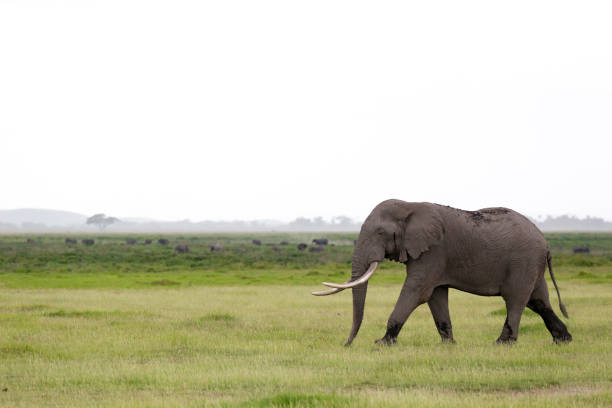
[{"x": 319, "y": 246}]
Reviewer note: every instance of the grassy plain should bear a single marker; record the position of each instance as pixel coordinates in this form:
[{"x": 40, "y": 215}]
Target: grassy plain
[{"x": 140, "y": 325}]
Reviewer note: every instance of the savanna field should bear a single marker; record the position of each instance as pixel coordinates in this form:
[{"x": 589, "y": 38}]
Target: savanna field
[{"x": 119, "y": 324}]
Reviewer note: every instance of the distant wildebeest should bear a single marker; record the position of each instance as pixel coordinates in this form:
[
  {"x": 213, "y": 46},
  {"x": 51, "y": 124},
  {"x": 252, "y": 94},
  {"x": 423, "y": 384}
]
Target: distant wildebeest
[
  {"x": 582, "y": 250},
  {"x": 302, "y": 247},
  {"x": 320, "y": 241},
  {"x": 70, "y": 241},
  {"x": 182, "y": 249},
  {"x": 148, "y": 241},
  {"x": 163, "y": 241},
  {"x": 284, "y": 243},
  {"x": 277, "y": 249},
  {"x": 256, "y": 242},
  {"x": 30, "y": 241},
  {"x": 130, "y": 241},
  {"x": 316, "y": 248},
  {"x": 88, "y": 242},
  {"x": 216, "y": 248}
]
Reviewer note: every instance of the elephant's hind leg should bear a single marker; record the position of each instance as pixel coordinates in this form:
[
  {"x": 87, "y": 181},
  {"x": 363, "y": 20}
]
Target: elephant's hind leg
[
  {"x": 438, "y": 304},
  {"x": 514, "y": 311},
  {"x": 516, "y": 293},
  {"x": 540, "y": 304}
]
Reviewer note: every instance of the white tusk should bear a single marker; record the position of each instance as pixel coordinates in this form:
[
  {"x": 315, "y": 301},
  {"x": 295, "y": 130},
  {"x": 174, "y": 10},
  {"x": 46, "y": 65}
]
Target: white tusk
[
  {"x": 357, "y": 282},
  {"x": 327, "y": 292}
]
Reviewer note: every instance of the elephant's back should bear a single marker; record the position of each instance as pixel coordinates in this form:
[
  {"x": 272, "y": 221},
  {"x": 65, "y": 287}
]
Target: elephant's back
[
  {"x": 496, "y": 227},
  {"x": 513, "y": 227},
  {"x": 487, "y": 244}
]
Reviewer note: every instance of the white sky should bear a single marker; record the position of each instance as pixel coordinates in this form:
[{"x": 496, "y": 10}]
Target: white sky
[{"x": 279, "y": 109}]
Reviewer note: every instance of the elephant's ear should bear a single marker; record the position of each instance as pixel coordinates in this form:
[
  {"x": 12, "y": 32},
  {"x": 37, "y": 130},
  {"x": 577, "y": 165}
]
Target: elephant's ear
[{"x": 424, "y": 229}]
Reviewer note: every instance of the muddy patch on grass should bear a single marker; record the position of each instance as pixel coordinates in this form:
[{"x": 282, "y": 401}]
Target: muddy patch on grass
[
  {"x": 16, "y": 350},
  {"x": 165, "y": 282},
  {"x": 24, "y": 308},
  {"x": 299, "y": 400},
  {"x": 93, "y": 314},
  {"x": 210, "y": 319},
  {"x": 560, "y": 391}
]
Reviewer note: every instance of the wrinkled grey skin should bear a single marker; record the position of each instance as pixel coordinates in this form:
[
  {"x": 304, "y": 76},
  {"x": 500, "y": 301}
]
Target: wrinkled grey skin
[{"x": 490, "y": 252}]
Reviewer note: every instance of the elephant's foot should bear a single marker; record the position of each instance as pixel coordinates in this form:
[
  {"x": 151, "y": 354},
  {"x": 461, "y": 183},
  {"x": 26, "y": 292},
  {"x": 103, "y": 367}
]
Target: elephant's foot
[
  {"x": 387, "y": 341},
  {"x": 506, "y": 340},
  {"x": 563, "y": 339}
]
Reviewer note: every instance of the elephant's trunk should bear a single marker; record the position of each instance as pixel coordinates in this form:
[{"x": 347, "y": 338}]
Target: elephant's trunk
[
  {"x": 359, "y": 293},
  {"x": 359, "y": 296},
  {"x": 363, "y": 267}
]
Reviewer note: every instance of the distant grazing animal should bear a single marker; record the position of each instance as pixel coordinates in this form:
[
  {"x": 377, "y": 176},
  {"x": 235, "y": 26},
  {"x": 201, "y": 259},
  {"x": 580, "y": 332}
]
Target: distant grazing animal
[
  {"x": 130, "y": 241},
  {"x": 216, "y": 248},
  {"x": 320, "y": 241},
  {"x": 148, "y": 241},
  {"x": 30, "y": 241},
  {"x": 163, "y": 241},
  {"x": 284, "y": 243},
  {"x": 256, "y": 242},
  {"x": 582, "y": 250},
  {"x": 316, "y": 248},
  {"x": 277, "y": 249},
  {"x": 88, "y": 242},
  {"x": 182, "y": 249},
  {"x": 302, "y": 247},
  {"x": 70, "y": 241}
]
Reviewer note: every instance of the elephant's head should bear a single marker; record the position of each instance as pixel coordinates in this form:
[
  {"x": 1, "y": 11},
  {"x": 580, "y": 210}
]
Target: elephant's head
[{"x": 395, "y": 230}]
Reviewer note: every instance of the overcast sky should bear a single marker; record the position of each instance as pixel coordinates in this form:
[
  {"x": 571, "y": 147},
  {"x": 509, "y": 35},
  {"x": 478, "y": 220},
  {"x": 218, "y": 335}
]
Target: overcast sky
[{"x": 279, "y": 109}]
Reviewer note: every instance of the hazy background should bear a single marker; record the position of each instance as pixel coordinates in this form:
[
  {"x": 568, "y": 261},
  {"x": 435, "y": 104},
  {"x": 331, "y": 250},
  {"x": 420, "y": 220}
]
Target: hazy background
[{"x": 275, "y": 110}]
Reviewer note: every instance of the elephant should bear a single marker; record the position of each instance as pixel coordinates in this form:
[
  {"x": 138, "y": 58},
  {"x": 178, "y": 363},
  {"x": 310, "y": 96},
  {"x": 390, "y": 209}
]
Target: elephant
[{"x": 489, "y": 252}]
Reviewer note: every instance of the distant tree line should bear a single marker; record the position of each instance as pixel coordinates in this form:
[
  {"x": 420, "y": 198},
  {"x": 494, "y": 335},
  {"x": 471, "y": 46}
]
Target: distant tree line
[
  {"x": 337, "y": 224},
  {"x": 572, "y": 223}
]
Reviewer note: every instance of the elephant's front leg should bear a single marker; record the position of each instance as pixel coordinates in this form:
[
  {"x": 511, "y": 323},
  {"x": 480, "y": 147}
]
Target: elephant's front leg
[
  {"x": 414, "y": 293},
  {"x": 438, "y": 304}
]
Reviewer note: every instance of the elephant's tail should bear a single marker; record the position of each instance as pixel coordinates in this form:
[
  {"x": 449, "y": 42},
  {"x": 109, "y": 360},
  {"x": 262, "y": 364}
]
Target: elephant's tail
[{"x": 552, "y": 276}]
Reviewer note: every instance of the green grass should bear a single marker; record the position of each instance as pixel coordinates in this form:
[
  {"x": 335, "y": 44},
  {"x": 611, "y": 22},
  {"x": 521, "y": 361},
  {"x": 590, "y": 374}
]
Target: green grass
[
  {"x": 277, "y": 345},
  {"x": 233, "y": 333}
]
